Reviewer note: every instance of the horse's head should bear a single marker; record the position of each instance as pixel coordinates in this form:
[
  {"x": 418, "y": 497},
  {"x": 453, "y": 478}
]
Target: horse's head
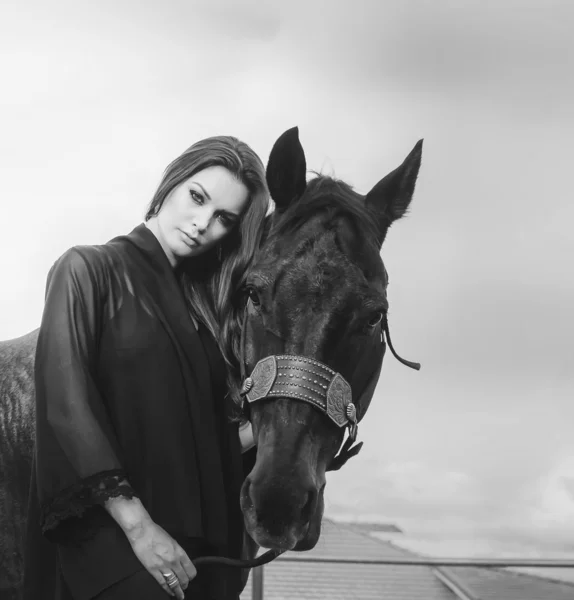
[{"x": 313, "y": 336}]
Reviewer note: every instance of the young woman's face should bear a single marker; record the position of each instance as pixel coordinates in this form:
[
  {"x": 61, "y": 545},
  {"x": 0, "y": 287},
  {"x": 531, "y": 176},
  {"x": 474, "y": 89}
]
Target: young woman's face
[{"x": 199, "y": 213}]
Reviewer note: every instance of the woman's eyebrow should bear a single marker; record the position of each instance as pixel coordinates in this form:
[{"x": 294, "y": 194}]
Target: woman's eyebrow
[
  {"x": 227, "y": 212},
  {"x": 202, "y": 189}
]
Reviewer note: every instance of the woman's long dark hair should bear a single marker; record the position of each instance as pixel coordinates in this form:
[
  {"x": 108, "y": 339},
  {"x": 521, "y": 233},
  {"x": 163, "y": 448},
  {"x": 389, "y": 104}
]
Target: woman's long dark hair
[{"x": 212, "y": 286}]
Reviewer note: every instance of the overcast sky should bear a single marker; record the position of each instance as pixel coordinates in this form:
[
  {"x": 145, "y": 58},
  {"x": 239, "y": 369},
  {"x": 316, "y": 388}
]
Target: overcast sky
[{"x": 97, "y": 98}]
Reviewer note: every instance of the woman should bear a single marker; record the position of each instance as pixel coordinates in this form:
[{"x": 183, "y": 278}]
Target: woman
[{"x": 138, "y": 458}]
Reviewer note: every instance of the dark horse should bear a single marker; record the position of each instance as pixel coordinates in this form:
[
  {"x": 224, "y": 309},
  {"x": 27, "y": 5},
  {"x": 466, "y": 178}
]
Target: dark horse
[
  {"x": 313, "y": 336},
  {"x": 17, "y": 420},
  {"x": 317, "y": 309}
]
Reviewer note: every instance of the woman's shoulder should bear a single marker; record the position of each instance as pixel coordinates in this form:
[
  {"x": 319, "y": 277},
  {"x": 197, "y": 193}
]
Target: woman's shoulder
[{"x": 81, "y": 261}]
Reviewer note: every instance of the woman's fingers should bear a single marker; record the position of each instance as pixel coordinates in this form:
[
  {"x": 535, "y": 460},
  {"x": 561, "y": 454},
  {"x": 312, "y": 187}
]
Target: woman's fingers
[
  {"x": 161, "y": 580},
  {"x": 188, "y": 567},
  {"x": 177, "y": 591},
  {"x": 180, "y": 574},
  {"x": 185, "y": 571},
  {"x": 165, "y": 560},
  {"x": 172, "y": 582}
]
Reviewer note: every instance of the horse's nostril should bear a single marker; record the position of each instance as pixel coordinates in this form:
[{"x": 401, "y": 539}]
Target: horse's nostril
[
  {"x": 247, "y": 500},
  {"x": 309, "y": 506}
]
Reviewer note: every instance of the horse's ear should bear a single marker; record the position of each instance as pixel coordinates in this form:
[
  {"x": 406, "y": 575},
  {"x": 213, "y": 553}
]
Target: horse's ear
[
  {"x": 286, "y": 170},
  {"x": 390, "y": 198}
]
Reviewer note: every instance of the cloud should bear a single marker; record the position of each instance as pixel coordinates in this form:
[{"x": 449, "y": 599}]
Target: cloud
[
  {"x": 451, "y": 511},
  {"x": 537, "y": 522},
  {"x": 504, "y": 61},
  {"x": 553, "y": 513},
  {"x": 402, "y": 490},
  {"x": 241, "y": 20}
]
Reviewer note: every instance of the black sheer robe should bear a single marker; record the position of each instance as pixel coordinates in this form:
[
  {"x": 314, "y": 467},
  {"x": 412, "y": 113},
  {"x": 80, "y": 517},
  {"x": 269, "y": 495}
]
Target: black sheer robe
[{"x": 126, "y": 387}]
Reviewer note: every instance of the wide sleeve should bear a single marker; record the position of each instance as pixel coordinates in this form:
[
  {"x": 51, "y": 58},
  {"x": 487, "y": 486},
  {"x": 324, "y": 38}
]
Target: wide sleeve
[{"x": 77, "y": 456}]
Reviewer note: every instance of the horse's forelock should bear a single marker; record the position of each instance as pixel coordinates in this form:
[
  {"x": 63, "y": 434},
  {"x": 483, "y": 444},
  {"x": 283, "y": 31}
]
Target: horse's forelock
[{"x": 331, "y": 198}]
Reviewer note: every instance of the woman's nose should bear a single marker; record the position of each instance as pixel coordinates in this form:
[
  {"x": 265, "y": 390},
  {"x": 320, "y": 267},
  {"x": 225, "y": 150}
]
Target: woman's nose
[{"x": 201, "y": 222}]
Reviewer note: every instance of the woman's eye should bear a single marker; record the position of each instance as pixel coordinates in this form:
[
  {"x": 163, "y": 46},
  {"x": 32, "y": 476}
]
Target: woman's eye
[
  {"x": 196, "y": 197},
  {"x": 225, "y": 220}
]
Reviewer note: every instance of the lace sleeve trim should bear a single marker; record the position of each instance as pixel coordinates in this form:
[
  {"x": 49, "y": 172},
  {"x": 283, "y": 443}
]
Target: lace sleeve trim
[{"x": 76, "y": 499}]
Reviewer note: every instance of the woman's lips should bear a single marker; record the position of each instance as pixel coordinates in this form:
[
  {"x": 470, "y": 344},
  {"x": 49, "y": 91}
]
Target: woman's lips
[{"x": 189, "y": 240}]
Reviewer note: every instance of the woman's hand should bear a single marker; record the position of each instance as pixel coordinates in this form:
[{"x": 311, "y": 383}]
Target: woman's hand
[
  {"x": 162, "y": 556},
  {"x": 158, "y": 552}
]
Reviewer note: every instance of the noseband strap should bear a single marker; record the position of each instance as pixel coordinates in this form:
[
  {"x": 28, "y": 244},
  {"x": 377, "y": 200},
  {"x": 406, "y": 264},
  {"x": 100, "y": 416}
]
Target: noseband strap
[
  {"x": 305, "y": 379},
  {"x": 309, "y": 380}
]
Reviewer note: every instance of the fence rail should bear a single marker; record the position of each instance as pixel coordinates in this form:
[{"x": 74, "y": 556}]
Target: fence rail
[
  {"x": 441, "y": 562},
  {"x": 257, "y": 573}
]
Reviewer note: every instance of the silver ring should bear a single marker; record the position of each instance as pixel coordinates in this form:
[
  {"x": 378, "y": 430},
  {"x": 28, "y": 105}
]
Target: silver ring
[{"x": 171, "y": 579}]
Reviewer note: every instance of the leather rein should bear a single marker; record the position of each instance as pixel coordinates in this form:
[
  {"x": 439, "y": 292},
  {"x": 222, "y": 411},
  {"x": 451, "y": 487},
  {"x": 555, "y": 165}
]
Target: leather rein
[{"x": 308, "y": 380}]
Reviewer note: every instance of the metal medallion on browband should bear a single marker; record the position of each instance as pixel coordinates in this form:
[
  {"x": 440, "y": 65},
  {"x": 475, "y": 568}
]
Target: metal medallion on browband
[{"x": 304, "y": 379}]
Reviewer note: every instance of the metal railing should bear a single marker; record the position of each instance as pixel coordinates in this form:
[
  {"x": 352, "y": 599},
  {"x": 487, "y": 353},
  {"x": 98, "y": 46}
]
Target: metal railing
[{"x": 257, "y": 579}]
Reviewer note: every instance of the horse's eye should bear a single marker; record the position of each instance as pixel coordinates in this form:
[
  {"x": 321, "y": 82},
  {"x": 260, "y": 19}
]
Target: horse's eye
[
  {"x": 254, "y": 297},
  {"x": 376, "y": 319}
]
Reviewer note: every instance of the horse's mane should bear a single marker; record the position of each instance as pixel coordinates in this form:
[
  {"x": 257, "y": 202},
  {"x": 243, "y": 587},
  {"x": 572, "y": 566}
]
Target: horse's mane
[{"x": 332, "y": 197}]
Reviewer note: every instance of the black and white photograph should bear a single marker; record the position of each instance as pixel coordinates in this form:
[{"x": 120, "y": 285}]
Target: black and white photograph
[{"x": 287, "y": 303}]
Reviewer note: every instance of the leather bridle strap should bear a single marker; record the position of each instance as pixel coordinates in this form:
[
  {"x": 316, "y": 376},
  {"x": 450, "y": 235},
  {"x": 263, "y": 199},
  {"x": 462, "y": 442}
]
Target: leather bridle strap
[
  {"x": 305, "y": 379},
  {"x": 309, "y": 380},
  {"x": 408, "y": 363},
  {"x": 348, "y": 450}
]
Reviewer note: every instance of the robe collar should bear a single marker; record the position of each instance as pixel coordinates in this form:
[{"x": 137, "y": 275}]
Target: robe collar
[
  {"x": 174, "y": 314},
  {"x": 146, "y": 241}
]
